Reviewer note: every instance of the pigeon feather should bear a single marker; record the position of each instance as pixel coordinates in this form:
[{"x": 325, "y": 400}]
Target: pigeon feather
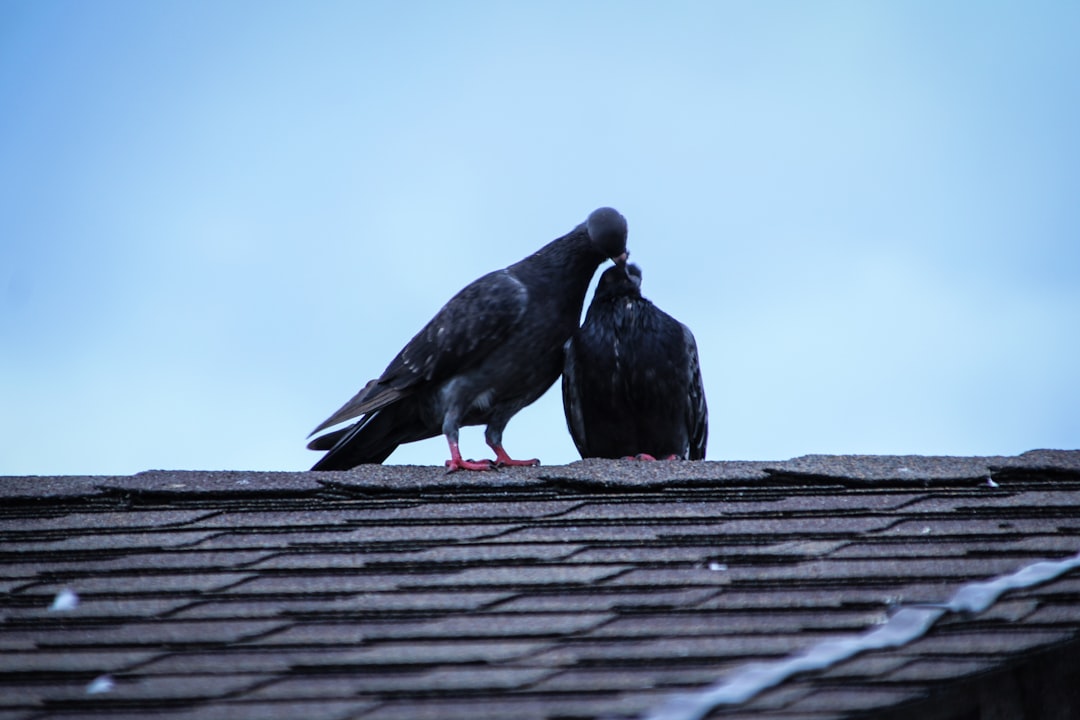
[
  {"x": 493, "y": 349},
  {"x": 632, "y": 378}
]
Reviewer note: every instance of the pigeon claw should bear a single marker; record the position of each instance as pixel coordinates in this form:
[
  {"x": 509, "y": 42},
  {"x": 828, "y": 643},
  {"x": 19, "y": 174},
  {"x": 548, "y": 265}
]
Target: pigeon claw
[
  {"x": 502, "y": 459},
  {"x": 646, "y": 457},
  {"x": 508, "y": 462},
  {"x": 456, "y": 462},
  {"x": 459, "y": 464}
]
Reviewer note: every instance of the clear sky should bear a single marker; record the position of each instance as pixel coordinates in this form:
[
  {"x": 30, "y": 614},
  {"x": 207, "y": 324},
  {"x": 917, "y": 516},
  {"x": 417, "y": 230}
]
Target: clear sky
[{"x": 218, "y": 220}]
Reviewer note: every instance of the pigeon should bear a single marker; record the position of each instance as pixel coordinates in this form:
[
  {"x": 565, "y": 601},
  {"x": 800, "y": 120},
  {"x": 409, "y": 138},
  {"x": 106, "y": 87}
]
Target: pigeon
[
  {"x": 493, "y": 349},
  {"x": 631, "y": 378}
]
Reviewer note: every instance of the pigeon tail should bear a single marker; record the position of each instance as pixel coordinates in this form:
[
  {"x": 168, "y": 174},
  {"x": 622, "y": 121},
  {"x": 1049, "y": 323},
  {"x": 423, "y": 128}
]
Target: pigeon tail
[
  {"x": 373, "y": 438},
  {"x": 371, "y": 397}
]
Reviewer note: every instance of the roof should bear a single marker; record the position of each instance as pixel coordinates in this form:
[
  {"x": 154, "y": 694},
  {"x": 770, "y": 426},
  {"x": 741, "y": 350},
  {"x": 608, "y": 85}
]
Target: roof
[{"x": 600, "y": 589}]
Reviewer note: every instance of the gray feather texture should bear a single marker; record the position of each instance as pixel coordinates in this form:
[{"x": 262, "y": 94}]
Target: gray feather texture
[
  {"x": 493, "y": 349},
  {"x": 631, "y": 377}
]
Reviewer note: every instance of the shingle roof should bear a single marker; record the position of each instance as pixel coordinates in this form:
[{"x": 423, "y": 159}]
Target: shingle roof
[{"x": 602, "y": 589}]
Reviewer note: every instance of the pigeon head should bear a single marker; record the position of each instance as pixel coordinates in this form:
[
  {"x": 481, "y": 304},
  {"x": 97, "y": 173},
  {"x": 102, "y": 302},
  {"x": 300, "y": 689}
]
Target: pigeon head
[
  {"x": 607, "y": 231},
  {"x": 620, "y": 281}
]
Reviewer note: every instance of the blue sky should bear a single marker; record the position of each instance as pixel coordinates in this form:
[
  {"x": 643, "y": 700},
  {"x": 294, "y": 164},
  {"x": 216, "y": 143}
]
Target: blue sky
[{"x": 218, "y": 220}]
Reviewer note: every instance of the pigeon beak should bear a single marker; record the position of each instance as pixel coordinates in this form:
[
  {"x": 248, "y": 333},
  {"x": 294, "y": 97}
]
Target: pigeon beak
[{"x": 621, "y": 259}]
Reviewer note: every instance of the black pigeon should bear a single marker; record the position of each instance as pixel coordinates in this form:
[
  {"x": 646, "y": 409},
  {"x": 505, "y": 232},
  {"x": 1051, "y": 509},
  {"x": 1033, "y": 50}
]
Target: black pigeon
[
  {"x": 631, "y": 379},
  {"x": 496, "y": 347}
]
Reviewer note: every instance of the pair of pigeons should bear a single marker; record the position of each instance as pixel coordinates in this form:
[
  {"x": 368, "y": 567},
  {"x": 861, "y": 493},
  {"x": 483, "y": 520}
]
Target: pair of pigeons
[{"x": 631, "y": 379}]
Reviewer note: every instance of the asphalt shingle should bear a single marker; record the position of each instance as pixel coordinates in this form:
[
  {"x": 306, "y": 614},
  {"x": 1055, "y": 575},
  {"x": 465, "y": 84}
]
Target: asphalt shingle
[{"x": 598, "y": 589}]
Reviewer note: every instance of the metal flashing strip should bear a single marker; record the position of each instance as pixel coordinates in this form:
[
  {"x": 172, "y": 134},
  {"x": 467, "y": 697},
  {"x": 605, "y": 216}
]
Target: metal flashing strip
[{"x": 906, "y": 625}]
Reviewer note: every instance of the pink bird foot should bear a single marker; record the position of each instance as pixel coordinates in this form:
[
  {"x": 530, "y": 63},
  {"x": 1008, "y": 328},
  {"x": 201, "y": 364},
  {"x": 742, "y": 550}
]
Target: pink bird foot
[
  {"x": 504, "y": 460},
  {"x": 457, "y": 463}
]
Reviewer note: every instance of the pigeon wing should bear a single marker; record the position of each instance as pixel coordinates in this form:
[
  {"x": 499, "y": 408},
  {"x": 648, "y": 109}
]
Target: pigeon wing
[
  {"x": 571, "y": 393},
  {"x": 472, "y": 325},
  {"x": 697, "y": 410}
]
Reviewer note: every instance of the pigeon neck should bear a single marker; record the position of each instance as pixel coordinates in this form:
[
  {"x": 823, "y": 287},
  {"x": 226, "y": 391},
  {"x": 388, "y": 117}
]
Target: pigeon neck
[
  {"x": 569, "y": 262},
  {"x": 624, "y": 291},
  {"x": 570, "y": 254}
]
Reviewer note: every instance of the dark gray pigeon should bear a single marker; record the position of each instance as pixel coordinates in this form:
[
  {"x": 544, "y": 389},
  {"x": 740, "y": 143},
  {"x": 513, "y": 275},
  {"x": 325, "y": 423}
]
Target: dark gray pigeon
[
  {"x": 496, "y": 347},
  {"x": 631, "y": 379}
]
